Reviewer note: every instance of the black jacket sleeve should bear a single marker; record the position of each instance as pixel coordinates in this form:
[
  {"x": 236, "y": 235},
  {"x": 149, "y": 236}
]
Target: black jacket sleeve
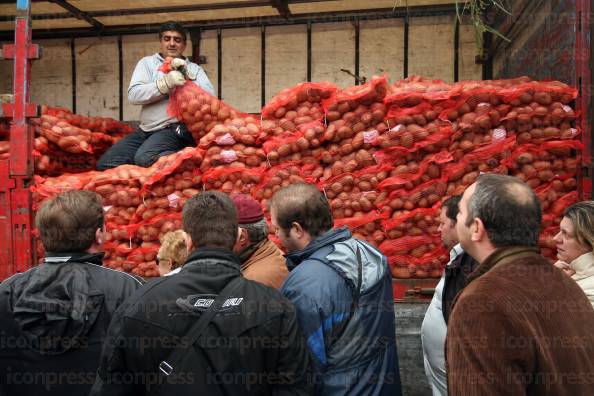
[{"x": 295, "y": 376}]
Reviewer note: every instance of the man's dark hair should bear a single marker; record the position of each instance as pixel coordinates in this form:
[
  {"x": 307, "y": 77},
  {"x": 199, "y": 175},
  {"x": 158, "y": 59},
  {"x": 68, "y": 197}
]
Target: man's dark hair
[
  {"x": 304, "y": 204},
  {"x": 210, "y": 219},
  {"x": 451, "y": 207},
  {"x": 508, "y": 208},
  {"x": 172, "y": 26},
  {"x": 69, "y": 221},
  {"x": 257, "y": 231}
]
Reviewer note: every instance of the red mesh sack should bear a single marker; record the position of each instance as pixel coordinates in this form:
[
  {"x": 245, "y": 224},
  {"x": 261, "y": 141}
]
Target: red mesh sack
[
  {"x": 294, "y": 144},
  {"x": 367, "y": 227},
  {"x": 426, "y": 195},
  {"x": 233, "y": 180},
  {"x": 555, "y": 212},
  {"x": 415, "y": 90},
  {"x": 244, "y": 130},
  {"x": 168, "y": 169},
  {"x": 356, "y": 109},
  {"x": 198, "y": 110},
  {"x": 277, "y": 177},
  {"x": 367, "y": 179},
  {"x": 44, "y": 188},
  {"x": 418, "y": 222},
  {"x": 409, "y": 174},
  {"x": 538, "y": 164},
  {"x": 237, "y": 155},
  {"x": 487, "y": 159},
  {"x": 429, "y": 265},
  {"x": 66, "y": 136},
  {"x": 295, "y": 106}
]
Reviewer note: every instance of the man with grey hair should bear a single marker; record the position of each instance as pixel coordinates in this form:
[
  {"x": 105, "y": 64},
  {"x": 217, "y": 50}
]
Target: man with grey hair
[
  {"x": 520, "y": 326},
  {"x": 261, "y": 260}
]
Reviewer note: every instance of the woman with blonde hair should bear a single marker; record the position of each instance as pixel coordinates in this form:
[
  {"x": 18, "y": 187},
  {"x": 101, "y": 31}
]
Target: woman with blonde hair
[
  {"x": 173, "y": 253},
  {"x": 575, "y": 244}
]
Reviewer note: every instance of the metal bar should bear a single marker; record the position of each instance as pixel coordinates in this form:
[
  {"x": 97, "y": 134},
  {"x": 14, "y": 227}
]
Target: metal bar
[
  {"x": 457, "y": 50},
  {"x": 181, "y": 8},
  {"x": 6, "y": 249},
  {"x": 121, "y": 77},
  {"x": 263, "y": 66},
  {"x": 309, "y": 51},
  {"x": 584, "y": 68},
  {"x": 282, "y": 6},
  {"x": 406, "y": 30},
  {"x": 73, "y": 74},
  {"x": 220, "y": 63},
  {"x": 327, "y": 17},
  {"x": 79, "y": 14},
  {"x": 21, "y": 145},
  {"x": 488, "y": 61},
  {"x": 357, "y": 46}
]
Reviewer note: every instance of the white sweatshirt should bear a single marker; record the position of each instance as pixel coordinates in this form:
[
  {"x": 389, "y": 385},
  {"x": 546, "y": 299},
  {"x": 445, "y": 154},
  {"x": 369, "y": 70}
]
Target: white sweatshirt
[{"x": 143, "y": 91}]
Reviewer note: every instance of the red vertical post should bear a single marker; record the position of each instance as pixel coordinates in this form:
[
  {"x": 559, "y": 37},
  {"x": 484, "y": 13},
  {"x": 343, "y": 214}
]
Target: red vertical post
[
  {"x": 584, "y": 103},
  {"x": 18, "y": 172}
]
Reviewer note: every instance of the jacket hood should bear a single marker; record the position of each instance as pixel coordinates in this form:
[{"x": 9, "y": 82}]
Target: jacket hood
[
  {"x": 53, "y": 306},
  {"x": 338, "y": 249}
]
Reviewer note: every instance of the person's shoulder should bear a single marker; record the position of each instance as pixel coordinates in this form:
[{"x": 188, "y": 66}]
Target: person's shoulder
[
  {"x": 110, "y": 275},
  {"x": 18, "y": 278}
]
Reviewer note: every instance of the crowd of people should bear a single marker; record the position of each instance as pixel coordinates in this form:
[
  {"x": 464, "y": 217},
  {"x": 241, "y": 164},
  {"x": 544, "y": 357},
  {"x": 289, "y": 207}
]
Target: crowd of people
[{"x": 234, "y": 316}]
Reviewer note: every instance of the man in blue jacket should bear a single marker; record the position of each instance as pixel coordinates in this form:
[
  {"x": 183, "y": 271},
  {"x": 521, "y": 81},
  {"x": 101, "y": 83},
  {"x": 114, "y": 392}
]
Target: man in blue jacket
[{"x": 342, "y": 290}]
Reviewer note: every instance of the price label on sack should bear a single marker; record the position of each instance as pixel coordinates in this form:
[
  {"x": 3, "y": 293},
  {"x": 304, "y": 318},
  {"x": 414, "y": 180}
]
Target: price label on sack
[
  {"x": 228, "y": 156},
  {"x": 173, "y": 200},
  {"x": 370, "y": 136},
  {"x": 106, "y": 208},
  {"x": 225, "y": 140},
  {"x": 567, "y": 109},
  {"x": 499, "y": 134}
]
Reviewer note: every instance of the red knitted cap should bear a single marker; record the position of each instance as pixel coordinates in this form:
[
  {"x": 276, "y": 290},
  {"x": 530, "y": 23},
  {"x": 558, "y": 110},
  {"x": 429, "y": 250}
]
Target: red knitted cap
[{"x": 248, "y": 209}]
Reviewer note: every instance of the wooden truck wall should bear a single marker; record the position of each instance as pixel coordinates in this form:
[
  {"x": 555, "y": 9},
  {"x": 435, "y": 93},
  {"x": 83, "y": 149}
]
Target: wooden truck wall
[{"x": 91, "y": 75}]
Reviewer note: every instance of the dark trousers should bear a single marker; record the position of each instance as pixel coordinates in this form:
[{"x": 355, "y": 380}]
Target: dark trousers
[{"x": 144, "y": 148}]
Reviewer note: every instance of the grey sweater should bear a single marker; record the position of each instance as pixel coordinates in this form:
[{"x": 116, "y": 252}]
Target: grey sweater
[{"x": 143, "y": 91}]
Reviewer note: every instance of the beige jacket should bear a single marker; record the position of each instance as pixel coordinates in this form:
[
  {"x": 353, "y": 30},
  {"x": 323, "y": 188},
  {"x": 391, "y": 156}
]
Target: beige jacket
[
  {"x": 584, "y": 274},
  {"x": 266, "y": 265}
]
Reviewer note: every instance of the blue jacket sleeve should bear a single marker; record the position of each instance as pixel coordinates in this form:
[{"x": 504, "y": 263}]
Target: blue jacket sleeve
[{"x": 322, "y": 301}]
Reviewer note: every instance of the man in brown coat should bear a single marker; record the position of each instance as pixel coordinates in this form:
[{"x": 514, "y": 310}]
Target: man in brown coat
[
  {"x": 261, "y": 260},
  {"x": 521, "y": 326}
]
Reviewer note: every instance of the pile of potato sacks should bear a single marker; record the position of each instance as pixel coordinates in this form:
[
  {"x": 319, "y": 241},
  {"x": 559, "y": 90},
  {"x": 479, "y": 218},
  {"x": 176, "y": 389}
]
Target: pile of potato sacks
[{"x": 385, "y": 156}]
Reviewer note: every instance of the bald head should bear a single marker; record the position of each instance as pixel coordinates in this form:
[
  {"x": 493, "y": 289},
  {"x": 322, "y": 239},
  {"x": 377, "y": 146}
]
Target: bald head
[
  {"x": 508, "y": 208},
  {"x": 303, "y": 204}
]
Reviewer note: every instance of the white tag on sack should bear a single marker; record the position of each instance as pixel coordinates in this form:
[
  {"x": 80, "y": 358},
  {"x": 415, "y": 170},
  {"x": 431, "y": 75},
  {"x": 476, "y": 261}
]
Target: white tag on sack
[
  {"x": 398, "y": 128},
  {"x": 228, "y": 156},
  {"x": 173, "y": 200},
  {"x": 574, "y": 132},
  {"x": 499, "y": 134},
  {"x": 370, "y": 136},
  {"x": 225, "y": 140},
  {"x": 567, "y": 109},
  {"x": 107, "y": 208}
]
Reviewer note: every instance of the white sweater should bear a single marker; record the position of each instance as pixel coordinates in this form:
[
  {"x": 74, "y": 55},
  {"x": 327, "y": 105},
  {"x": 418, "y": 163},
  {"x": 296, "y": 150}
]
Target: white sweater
[
  {"x": 143, "y": 91},
  {"x": 584, "y": 274}
]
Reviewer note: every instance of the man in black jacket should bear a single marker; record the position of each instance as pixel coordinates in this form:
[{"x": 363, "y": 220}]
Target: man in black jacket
[
  {"x": 251, "y": 345},
  {"x": 54, "y": 316}
]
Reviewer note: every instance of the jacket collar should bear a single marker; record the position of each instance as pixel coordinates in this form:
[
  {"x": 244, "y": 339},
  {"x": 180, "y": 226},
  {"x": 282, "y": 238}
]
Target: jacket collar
[
  {"x": 328, "y": 238},
  {"x": 214, "y": 253},
  {"x": 502, "y": 256},
  {"x": 65, "y": 257},
  {"x": 583, "y": 266}
]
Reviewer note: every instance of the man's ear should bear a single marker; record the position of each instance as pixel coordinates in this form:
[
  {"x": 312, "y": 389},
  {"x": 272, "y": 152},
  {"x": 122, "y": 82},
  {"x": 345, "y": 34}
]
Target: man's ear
[
  {"x": 241, "y": 235},
  {"x": 297, "y": 230},
  {"x": 478, "y": 232},
  {"x": 99, "y": 236},
  {"x": 189, "y": 243}
]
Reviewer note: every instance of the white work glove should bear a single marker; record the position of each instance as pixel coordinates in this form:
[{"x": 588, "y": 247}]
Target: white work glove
[
  {"x": 176, "y": 63},
  {"x": 169, "y": 81}
]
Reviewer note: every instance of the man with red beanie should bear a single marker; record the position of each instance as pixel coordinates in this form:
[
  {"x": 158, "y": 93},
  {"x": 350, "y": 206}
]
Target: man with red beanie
[{"x": 261, "y": 260}]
